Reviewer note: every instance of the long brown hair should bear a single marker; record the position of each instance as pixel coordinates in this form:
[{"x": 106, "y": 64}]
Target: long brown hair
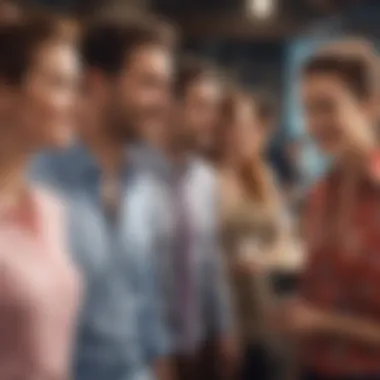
[{"x": 253, "y": 173}]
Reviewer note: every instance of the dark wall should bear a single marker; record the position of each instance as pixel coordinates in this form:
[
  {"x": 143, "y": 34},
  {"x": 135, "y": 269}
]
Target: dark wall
[{"x": 256, "y": 65}]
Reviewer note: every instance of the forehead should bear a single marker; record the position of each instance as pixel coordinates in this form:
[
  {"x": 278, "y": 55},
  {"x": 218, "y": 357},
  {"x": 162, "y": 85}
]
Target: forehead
[
  {"x": 150, "y": 58},
  {"x": 245, "y": 111},
  {"x": 324, "y": 84},
  {"x": 58, "y": 56},
  {"x": 205, "y": 88}
]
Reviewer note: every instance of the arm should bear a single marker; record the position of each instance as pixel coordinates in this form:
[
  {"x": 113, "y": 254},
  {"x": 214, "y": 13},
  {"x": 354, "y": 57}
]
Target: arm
[
  {"x": 286, "y": 253},
  {"x": 357, "y": 329},
  {"x": 155, "y": 326},
  {"x": 154, "y": 329},
  {"x": 48, "y": 171},
  {"x": 218, "y": 301},
  {"x": 305, "y": 320},
  {"x": 221, "y": 316}
]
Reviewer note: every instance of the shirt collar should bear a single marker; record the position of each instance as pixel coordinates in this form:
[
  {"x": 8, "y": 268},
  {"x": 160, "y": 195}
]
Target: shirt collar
[
  {"x": 370, "y": 176},
  {"x": 152, "y": 159},
  {"x": 87, "y": 165}
]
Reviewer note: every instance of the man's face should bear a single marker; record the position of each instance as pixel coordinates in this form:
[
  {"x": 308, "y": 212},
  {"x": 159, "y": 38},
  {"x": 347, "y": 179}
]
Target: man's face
[
  {"x": 200, "y": 112},
  {"x": 142, "y": 91}
]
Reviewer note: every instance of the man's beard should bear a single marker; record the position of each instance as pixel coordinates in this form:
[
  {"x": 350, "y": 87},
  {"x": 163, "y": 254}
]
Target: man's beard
[
  {"x": 122, "y": 132},
  {"x": 120, "y": 128}
]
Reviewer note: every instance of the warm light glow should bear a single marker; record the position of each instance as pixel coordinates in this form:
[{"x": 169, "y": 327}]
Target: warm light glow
[{"x": 261, "y": 8}]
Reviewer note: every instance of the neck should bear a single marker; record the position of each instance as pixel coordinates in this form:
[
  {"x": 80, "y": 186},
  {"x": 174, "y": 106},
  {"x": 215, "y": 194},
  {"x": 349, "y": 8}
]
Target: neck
[
  {"x": 109, "y": 153},
  {"x": 13, "y": 183},
  {"x": 178, "y": 151},
  {"x": 354, "y": 162},
  {"x": 228, "y": 162}
]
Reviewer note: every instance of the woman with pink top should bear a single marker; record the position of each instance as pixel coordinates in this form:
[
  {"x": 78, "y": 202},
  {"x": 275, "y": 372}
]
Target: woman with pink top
[{"x": 39, "y": 287}]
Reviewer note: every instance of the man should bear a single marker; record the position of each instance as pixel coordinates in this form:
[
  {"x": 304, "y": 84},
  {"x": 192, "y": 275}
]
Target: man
[
  {"x": 199, "y": 91},
  {"x": 112, "y": 204},
  {"x": 199, "y": 305}
]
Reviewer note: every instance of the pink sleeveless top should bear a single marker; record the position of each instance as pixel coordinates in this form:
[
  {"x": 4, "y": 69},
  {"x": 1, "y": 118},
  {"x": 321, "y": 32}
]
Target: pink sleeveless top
[{"x": 39, "y": 291}]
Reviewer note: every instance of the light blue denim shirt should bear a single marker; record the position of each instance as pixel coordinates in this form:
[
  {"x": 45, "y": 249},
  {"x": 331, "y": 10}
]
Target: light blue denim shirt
[
  {"x": 120, "y": 330},
  {"x": 214, "y": 316}
]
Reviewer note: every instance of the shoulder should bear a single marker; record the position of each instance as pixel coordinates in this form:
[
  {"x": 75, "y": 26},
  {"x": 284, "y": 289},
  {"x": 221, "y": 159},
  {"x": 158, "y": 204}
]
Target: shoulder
[
  {"x": 149, "y": 184},
  {"x": 317, "y": 192},
  {"x": 48, "y": 162},
  {"x": 52, "y": 208},
  {"x": 203, "y": 169},
  {"x": 53, "y": 168},
  {"x": 204, "y": 175},
  {"x": 150, "y": 193},
  {"x": 48, "y": 200}
]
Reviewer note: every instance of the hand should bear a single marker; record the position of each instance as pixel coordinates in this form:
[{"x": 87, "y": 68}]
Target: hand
[
  {"x": 229, "y": 355},
  {"x": 299, "y": 318}
]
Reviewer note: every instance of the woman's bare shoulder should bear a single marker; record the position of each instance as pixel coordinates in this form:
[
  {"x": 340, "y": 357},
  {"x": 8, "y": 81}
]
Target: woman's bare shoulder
[{"x": 48, "y": 199}]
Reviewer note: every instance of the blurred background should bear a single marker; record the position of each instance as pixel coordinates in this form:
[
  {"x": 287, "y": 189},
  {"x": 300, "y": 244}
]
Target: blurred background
[{"x": 262, "y": 43}]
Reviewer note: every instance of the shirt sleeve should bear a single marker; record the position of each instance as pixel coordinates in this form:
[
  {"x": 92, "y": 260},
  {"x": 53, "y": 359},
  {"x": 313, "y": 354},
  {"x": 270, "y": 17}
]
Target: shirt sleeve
[
  {"x": 310, "y": 232},
  {"x": 154, "y": 322},
  {"x": 218, "y": 292},
  {"x": 42, "y": 171}
]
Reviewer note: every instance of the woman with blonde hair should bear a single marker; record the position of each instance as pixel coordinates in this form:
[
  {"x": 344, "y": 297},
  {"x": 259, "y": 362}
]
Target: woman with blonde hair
[{"x": 255, "y": 229}]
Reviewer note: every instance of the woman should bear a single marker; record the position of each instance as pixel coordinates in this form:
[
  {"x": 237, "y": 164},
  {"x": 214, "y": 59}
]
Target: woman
[
  {"x": 337, "y": 321},
  {"x": 256, "y": 232},
  {"x": 39, "y": 288}
]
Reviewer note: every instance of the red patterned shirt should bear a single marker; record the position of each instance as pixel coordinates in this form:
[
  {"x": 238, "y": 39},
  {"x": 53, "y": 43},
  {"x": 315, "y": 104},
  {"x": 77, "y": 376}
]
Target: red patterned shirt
[{"x": 343, "y": 272}]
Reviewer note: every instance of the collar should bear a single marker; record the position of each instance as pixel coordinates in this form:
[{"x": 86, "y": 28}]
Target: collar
[
  {"x": 151, "y": 158},
  {"x": 370, "y": 176},
  {"x": 86, "y": 164}
]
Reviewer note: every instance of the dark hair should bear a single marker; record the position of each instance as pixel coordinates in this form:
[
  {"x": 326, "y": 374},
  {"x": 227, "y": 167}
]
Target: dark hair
[
  {"x": 190, "y": 70},
  {"x": 356, "y": 66},
  {"x": 253, "y": 174},
  {"x": 108, "y": 42},
  {"x": 21, "y": 38}
]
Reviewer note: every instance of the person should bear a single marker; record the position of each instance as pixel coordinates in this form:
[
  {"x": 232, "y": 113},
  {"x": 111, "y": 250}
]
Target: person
[
  {"x": 199, "y": 88},
  {"x": 40, "y": 289},
  {"x": 255, "y": 229},
  {"x": 335, "y": 318},
  {"x": 113, "y": 219},
  {"x": 266, "y": 119},
  {"x": 200, "y": 299}
]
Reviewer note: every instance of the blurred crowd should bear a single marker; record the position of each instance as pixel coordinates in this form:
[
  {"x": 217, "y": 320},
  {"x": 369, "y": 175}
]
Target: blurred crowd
[{"x": 144, "y": 234}]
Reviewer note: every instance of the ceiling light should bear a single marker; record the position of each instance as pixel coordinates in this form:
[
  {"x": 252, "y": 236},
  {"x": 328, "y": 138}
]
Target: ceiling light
[{"x": 261, "y": 8}]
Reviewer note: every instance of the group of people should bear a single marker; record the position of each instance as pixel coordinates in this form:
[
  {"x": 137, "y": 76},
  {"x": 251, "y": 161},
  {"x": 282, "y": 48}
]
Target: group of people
[{"x": 141, "y": 225}]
